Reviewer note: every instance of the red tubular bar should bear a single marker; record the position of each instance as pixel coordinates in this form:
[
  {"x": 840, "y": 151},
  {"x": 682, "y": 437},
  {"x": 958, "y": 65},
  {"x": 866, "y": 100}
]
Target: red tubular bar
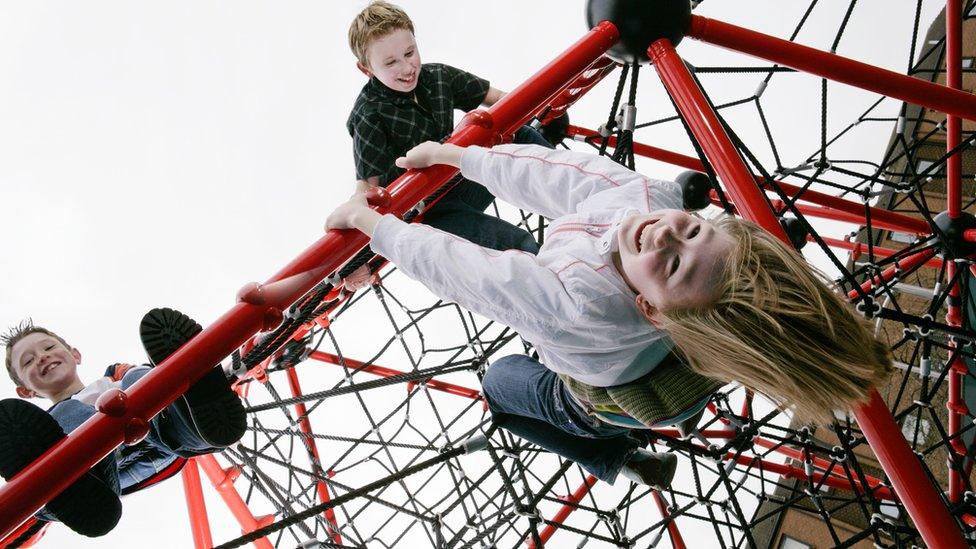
[
  {"x": 883, "y": 219},
  {"x": 305, "y": 426},
  {"x": 677, "y": 541},
  {"x": 223, "y": 482},
  {"x": 383, "y": 371},
  {"x": 196, "y": 507},
  {"x": 834, "y": 67},
  {"x": 578, "y": 88},
  {"x": 790, "y": 471},
  {"x": 955, "y": 403},
  {"x": 261, "y": 305},
  {"x": 572, "y": 501},
  {"x": 710, "y": 134},
  {"x": 906, "y": 264},
  {"x": 858, "y": 249},
  {"x": 923, "y": 503}
]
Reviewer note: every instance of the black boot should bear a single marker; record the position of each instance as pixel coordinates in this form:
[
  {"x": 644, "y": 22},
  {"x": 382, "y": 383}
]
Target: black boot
[
  {"x": 89, "y": 506},
  {"x": 215, "y": 409},
  {"x": 650, "y": 468}
]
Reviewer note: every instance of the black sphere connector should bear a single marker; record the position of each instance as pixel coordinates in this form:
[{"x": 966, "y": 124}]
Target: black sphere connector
[
  {"x": 952, "y": 243},
  {"x": 640, "y": 22},
  {"x": 796, "y": 231},
  {"x": 695, "y": 189}
]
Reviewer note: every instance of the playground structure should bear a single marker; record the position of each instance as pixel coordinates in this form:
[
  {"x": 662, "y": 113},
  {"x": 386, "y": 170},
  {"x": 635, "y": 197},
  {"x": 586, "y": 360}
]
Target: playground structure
[{"x": 463, "y": 483}]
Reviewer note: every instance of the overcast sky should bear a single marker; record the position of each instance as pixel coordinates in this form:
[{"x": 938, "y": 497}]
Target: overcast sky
[{"x": 166, "y": 153}]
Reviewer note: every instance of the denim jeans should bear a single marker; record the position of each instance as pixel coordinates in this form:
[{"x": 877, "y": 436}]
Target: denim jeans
[
  {"x": 529, "y": 400},
  {"x": 171, "y": 435},
  {"x": 461, "y": 211}
]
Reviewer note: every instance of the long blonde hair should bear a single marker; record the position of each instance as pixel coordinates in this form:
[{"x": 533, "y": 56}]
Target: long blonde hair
[{"x": 778, "y": 328}]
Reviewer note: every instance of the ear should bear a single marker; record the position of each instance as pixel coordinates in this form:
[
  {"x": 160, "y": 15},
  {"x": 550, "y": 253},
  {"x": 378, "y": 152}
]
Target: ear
[
  {"x": 24, "y": 392},
  {"x": 364, "y": 69},
  {"x": 648, "y": 311},
  {"x": 77, "y": 354}
]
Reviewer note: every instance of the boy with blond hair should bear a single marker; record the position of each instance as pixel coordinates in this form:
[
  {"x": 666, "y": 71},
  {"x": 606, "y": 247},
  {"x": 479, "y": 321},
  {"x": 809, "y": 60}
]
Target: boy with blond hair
[
  {"x": 41, "y": 363},
  {"x": 406, "y": 103}
]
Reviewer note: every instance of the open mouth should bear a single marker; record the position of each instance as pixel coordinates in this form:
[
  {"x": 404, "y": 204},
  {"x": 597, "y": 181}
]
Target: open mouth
[
  {"x": 48, "y": 367},
  {"x": 640, "y": 232},
  {"x": 409, "y": 80}
]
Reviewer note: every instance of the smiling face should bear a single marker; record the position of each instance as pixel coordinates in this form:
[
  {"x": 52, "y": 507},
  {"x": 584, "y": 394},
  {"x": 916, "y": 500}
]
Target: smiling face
[
  {"x": 394, "y": 60},
  {"x": 45, "y": 365},
  {"x": 671, "y": 259}
]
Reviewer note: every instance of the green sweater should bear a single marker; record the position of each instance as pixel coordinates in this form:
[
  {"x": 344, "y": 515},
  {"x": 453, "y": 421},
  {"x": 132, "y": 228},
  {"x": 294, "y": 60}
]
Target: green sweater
[{"x": 666, "y": 392}]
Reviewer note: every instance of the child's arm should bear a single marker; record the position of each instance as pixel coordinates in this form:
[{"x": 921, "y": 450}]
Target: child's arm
[
  {"x": 492, "y": 97},
  {"x": 545, "y": 181},
  {"x": 371, "y": 152},
  {"x": 508, "y": 287}
]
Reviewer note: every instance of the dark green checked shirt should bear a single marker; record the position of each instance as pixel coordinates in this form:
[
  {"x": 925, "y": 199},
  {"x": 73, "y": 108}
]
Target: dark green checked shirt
[{"x": 385, "y": 124}]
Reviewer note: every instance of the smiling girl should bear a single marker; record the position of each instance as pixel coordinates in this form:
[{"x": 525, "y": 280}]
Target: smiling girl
[{"x": 625, "y": 276}]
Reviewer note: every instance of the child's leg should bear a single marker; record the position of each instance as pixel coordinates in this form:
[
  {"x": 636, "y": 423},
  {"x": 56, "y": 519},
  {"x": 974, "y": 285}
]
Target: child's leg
[
  {"x": 527, "y": 135},
  {"x": 90, "y": 505},
  {"x": 209, "y": 410},
  {"x": 531, "y": 401},
  {"x": 482, "y": 229}
]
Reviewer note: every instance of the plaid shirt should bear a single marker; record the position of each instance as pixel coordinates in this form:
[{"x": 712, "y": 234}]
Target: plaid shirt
[{"x": 385, "y": 124}]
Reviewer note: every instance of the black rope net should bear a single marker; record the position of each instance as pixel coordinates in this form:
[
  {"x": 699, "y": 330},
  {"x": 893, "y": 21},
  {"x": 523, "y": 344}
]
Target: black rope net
[{"x": 387, "y": 442}]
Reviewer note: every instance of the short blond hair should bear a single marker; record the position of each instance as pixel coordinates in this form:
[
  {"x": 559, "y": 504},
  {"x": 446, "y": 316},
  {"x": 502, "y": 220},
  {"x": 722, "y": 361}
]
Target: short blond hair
[
  {"x": 376, "y": 21},
  {"x": 779, "y": 329},
  {"x": 15, "y": 334}
]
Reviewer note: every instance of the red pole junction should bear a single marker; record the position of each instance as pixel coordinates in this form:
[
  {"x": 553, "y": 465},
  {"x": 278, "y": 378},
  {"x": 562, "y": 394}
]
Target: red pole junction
[
  {"x": 261, "y": 306},
  {"x": 923, "y": 503}
]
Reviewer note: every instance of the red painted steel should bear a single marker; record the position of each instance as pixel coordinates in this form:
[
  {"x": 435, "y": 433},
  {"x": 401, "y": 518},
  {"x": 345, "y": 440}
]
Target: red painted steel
[
  {"x": 880, "y": 218},
  {"x": 223, "y": 482},
  {"x": 859, "y": 249},
  {"x": 710, "y": 134},
  {"x": 196, "y": 507},
  {"x": 677, "y": 541},
  {"x": 901, "y": 266},
  {"x": 98, "y": 436},
  {"x": 924, "y": 505},
  {"x": 834, "y": 67},
  {"x": 572, "y": 501},
  {"x": 578, "y": 88},
  {"x": 305, "y": 426},
  {"x": 383, "y": 371}
]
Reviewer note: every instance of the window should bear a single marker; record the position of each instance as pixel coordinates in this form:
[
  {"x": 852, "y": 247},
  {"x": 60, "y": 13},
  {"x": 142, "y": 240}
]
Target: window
[
  {"x": 909, "y": 424},
  {"x": 786, "y": 542},
  {"x": 968, "y": 62}
]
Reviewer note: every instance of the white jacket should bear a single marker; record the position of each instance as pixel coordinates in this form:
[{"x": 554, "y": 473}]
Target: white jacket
[{"x": 569, "y": 301}]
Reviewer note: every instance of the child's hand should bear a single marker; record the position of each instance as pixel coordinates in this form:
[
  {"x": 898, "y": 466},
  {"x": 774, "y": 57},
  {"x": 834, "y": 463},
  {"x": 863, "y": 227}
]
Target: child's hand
[
  {"x": 421, "y": 156},
  {"x": 344, "y": 216}
]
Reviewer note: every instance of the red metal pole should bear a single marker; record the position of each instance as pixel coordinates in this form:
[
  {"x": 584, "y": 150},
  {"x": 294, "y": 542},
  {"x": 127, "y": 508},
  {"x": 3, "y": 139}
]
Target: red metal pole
[
  {"x": 958, "y": 369},
  {"x": 710, "y": 134},
  {"x": 223, "y": 482},
  {"x": 305, "y": 426},
  {"x": 571, "y": 502},
  {"x": 923, "y": 503},
  {"x": 834, "y": 67},
  {"x": 383, "y": 371},
  {"x": 880, "y": 218},
  {"x": 261, "y": 305},
  {"x": 901, "y": 266},
  {"x": 858, "y": 249},
  {"x": 196, "y": 507}
]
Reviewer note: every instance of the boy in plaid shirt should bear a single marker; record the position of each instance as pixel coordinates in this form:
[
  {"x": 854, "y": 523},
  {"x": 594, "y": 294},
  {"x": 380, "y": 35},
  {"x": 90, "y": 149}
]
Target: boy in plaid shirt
[{"x": 406, "y": 103}]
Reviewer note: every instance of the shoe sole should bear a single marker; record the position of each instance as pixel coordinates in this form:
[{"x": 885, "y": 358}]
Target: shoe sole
[
  {"x": 215, "y": 409},
  {"x": 89, "y": 506}
]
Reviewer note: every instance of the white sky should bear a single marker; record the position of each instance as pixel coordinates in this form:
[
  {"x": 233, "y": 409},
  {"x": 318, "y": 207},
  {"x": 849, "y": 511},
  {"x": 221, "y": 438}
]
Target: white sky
[{"x": 164, "y": 154}]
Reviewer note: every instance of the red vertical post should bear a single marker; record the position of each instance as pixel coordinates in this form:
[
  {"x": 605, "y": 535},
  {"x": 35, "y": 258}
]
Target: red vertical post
[
  {"x": 708, "y": 131},
  {"x": 958, "y": 369},
  {"x": 223, "y": 481},
  {"x": 927, "y": 509},
  {"x": 196, "y": 507}
]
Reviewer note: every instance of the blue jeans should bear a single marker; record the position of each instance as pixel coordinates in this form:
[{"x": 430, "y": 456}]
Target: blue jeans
[
  {"x": 171, "y": 435},
  {"x": 529, "y": 400},
  {"x": 461, "y": 211}
]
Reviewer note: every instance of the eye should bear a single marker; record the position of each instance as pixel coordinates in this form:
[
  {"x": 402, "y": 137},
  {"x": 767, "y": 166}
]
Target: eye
[
  {"x": 49, "y": 347},
  {"x": 409, "y": 54},
  {"x": 389, "y": 63},
  {"x": 28, "y": 361},
  {"x": 694, "y": 232},
  {"x": 674, "y": 265}
]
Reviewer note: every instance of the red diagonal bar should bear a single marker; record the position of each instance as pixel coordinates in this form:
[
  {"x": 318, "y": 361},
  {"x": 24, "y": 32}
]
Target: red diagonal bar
[
  {"x": 677, "y": 541},
  {"x": 572, "y": 501},
  {"x": 881, "y": 218},
  {"x": 223, "y": 482},
  {"x": 901, "y": 266},
  {"x": 305, "y": 426},
  {"x": 383, "y": 371},
  {"x": 834, "y": 67},
  {"x": 926, "y": 508},
  {"x": 70, "y": 458}
]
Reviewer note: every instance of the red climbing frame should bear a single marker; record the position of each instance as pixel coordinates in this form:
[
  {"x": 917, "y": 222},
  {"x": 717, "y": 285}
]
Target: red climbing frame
[{"x": 124, "y": 416}]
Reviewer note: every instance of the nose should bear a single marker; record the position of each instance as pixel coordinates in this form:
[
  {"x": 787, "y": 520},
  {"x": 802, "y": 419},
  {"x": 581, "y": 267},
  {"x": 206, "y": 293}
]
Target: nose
[{"x": 664, "y": 235}]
